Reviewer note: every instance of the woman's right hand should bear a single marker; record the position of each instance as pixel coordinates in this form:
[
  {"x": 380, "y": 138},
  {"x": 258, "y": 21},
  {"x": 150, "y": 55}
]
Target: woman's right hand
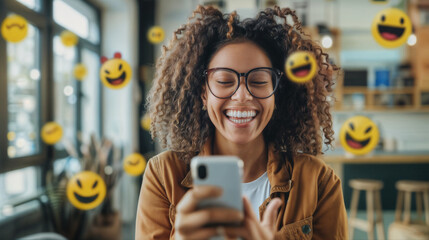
[{"x": 190, "y": 222}]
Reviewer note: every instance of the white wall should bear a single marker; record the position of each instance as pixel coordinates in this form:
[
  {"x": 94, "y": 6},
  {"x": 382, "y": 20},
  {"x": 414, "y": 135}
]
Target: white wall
[{"x": 120, "y": 33}]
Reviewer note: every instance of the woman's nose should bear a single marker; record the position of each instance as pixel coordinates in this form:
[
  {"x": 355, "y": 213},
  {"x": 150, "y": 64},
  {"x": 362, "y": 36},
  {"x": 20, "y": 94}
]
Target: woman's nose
[{"x": 242, "y": 94}]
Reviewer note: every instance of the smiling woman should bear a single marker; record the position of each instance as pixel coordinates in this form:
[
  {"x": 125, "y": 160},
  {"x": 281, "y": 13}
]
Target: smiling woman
[{"x": 220, "y": 89}]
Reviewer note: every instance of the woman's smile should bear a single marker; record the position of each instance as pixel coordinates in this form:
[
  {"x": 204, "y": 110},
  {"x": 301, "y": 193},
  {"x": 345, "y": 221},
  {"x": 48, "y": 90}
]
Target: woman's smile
[{"x": 240, "y": 118}]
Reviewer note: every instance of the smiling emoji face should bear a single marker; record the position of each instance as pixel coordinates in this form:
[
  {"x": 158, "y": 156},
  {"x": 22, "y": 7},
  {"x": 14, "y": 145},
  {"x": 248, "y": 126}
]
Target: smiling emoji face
[
  {"x": 115, "y": 73},
  {"x": 86, "y": 190},
  {"x": 51, "y": 133},
  {"x": 79, "y": 71},
  {"x": 301, "y": 66},
  {"x": 68, "y": 38},
  {"x": 134, "y": 164},
  {"x": 359, "y": 135},
  {"x": 14, "y": 28},
  {"x": 155, "y": 35},
  {"x": 391, "y": 28}
]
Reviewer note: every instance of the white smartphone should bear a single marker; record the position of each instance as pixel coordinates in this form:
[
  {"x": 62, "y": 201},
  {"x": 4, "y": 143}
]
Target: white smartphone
[{"x": 221, "y": 171}]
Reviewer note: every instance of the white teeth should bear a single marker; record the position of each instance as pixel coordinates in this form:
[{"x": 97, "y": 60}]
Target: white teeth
[
  {"x": 239, "y": 121},
  {"x": 240, "y": 114}
]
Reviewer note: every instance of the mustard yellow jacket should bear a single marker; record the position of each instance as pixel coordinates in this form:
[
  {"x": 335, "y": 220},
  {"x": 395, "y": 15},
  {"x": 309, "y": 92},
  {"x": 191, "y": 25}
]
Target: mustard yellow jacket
[{"x": 313, "y": 205}]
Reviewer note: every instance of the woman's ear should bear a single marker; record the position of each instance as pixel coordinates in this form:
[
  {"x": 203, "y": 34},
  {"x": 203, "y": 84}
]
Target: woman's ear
[{"x": 204, "y": 95}]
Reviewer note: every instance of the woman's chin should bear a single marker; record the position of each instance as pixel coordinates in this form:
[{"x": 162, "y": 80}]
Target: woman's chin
[{"x": 240, "y": 139}]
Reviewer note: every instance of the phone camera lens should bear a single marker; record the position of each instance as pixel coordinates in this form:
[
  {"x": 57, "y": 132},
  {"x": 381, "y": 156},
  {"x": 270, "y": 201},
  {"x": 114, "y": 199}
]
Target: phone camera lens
[{"x": 202, "y": 171}]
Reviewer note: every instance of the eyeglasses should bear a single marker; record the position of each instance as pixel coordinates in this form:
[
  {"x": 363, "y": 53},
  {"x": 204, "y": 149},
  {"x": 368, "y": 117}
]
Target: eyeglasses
[{"x": 261, "y": 82}]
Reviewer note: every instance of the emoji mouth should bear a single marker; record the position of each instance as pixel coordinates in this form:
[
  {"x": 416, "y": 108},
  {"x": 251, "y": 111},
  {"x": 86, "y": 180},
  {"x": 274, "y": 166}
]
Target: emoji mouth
[
  {"x": 15, "y": 25},
  {"x": 356, "y": 144},
  {"x": 117, "y": 81},
  {"x": 133, "y": 163},
  {"x": 390, "y": 33},
  {"x": 302, "y": 71},
  {"x": 85, "y": 199},
  {"x": 52, "y": 130}
]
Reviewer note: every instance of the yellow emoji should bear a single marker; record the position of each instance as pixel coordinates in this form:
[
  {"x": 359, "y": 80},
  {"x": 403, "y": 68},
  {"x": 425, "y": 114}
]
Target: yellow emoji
[
  {"x": 134, "y": 164},
  {"x": 155, "y": 35},
  {"x": 145, "y": 122},
  {"x": 359, "y": 135},
  {"x": 51, "y": 133},
  {"x": 86, "y": 190},
  {"x": 69, "y": 39},
  {"x": 80, "y": 71},
  {"x": 391, "y": 28},
  {"x": 301, "y": 66},
  {"x": 115, "y": 73},
  {"x": 14, "y": 28}
]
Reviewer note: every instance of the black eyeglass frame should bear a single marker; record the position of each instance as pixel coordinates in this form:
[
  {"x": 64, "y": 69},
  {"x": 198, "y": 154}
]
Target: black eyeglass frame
[{"x": 277, "y": 73}]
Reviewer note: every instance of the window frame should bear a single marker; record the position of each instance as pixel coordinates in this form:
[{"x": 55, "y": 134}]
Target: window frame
[{"x": 48, "y": 28}]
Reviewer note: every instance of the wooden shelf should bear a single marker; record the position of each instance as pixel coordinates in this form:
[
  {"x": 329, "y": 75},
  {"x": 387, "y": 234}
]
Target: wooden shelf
[{"x": 365, "y": 90}]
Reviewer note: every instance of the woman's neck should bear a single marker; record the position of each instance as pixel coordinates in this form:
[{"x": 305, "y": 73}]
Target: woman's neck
[{"x": 254, "y": 155}]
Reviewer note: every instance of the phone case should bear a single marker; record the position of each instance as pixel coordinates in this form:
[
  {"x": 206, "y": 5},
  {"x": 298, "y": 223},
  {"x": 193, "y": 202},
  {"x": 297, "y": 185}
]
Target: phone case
[{"x": 224, "y": 172}]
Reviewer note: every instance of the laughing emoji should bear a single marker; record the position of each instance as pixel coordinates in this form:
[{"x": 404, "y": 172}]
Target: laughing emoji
[
  {"x": 51, "y": 133},
  {"x": 155, "y": 35},
  {"x": 115, "y": 73},
  {"x": 301, "y": 66},
  {"x": 391, "y": 28},
  {"x": 86, "y": 190},
  {"x": 134, "y": 164},
  {"x": 14, "y": 28},
  {"x": 359, "y": 135}
]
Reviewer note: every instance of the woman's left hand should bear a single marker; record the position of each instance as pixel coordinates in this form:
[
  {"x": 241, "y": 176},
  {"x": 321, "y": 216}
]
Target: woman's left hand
[{"x": 252, "y": 228}]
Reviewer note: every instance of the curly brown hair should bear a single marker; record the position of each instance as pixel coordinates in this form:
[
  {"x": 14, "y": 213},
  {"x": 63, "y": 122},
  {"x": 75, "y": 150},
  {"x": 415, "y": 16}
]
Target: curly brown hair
[{"x": 301, "y": 116}]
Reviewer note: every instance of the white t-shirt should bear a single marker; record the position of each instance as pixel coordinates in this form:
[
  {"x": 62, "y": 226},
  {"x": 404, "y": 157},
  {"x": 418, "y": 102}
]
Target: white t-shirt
[{"x": 257, "y": 191}]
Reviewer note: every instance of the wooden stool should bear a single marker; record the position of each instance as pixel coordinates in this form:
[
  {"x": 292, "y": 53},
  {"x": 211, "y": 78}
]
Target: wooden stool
[
  {"x": 373, "y": 202},
  {"x": 405, "y": 189}
]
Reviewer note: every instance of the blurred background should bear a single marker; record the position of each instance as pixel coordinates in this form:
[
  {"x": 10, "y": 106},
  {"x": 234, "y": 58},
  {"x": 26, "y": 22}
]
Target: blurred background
[{"x": 102, "y": 126}]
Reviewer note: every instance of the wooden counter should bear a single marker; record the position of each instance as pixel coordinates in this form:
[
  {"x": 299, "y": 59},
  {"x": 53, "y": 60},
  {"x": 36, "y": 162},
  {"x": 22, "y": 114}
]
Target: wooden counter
[
  {"x": 336, "y": 160},
  {"x": 387, "y": 158}
]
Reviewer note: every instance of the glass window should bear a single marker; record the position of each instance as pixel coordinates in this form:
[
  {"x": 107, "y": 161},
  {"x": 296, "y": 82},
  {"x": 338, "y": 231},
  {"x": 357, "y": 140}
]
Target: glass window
[
  {"x": 90, "y": 94},
  {"x": 19, "y": 183},
  {"x": 32, "y": 4},
  {"x": 77, "y": 17},
  {"x": 65, "y": 95},
  {"x": 23, "y": 77}
]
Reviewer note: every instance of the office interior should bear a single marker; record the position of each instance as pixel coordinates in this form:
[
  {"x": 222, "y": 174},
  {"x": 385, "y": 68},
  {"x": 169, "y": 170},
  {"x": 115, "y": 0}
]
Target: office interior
[{"x": 39, "y": 85}]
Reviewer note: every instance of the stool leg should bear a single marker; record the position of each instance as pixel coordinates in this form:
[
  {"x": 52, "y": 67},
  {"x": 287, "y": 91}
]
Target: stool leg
[
  {"x": 353, "y": 211},
  {"x": 407, "y": 208},
  {"x": 419, "y": 198},
  {"x": 426, "y": 203},
  {"x": 370, "y": 213},
  {"x": 379, "y": 216},
  {"x": 399, "y": 203}
]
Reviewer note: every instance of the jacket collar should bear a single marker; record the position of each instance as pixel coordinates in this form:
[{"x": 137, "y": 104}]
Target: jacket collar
[{"x": 279, "y": 170}]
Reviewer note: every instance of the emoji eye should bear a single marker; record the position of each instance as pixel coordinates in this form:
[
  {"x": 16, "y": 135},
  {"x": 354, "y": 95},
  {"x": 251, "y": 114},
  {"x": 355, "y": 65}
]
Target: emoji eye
[
  {"x": 291, "y": 63},
  {"x": 351, "y": 126},
  {"x": 307, "y": 58},
  {"x": 78, "y": 183},
  {"x": 383, "y": 18},
  {"x": 120, "y": 66},
  {"x": 402, "y": 20},
  {"x": 106, "y": 71},
  {"x": 95, "y": 184},
  {"x": 368, "y": 129}
]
